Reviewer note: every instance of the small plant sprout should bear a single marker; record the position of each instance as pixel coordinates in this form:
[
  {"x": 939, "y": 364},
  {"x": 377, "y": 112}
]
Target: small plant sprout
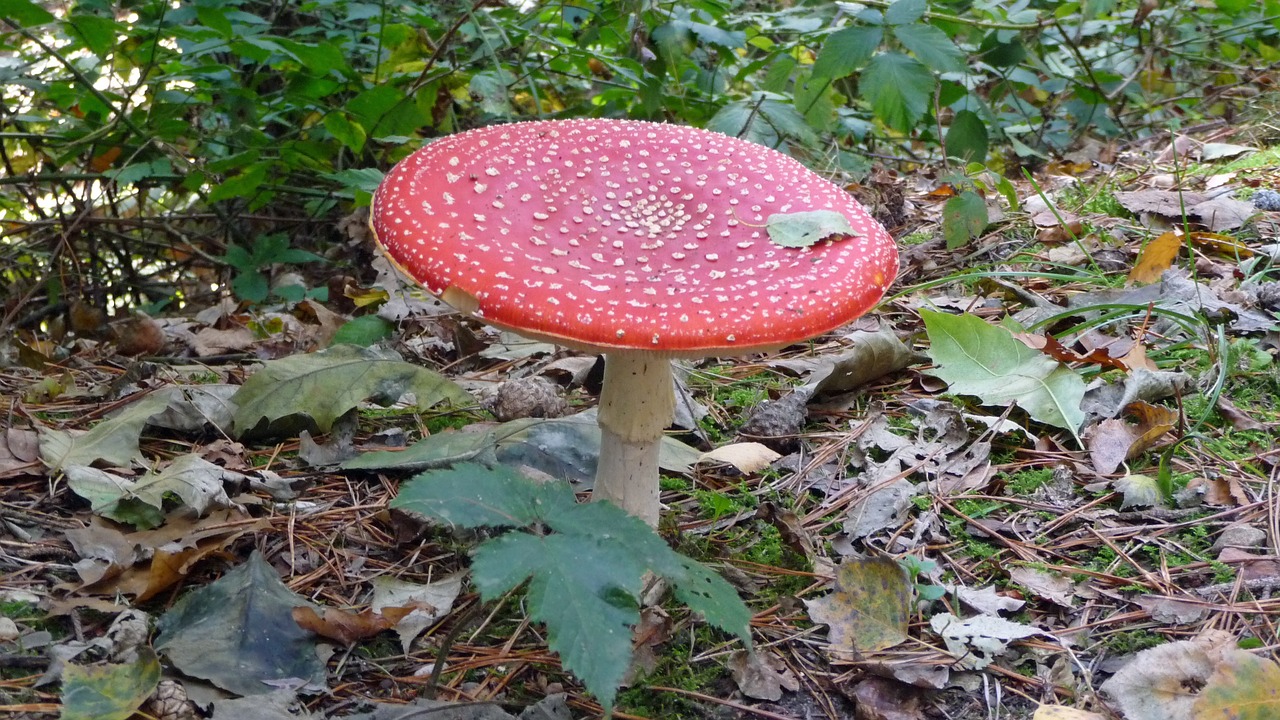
[{"x": 642, "y": 241}]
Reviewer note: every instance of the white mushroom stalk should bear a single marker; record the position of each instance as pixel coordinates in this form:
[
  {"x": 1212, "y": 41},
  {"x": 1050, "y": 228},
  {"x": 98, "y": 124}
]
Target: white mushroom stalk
[
  {"x": 637, "y": 404},
  {"x": 642, "y": 241}
]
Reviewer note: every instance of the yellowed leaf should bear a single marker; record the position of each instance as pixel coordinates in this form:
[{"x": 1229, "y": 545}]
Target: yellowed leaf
[
  {"x": 869, "y": 608},
  {"x": 1242, "y": 687},
  {"x": 1156, "y": 257}
]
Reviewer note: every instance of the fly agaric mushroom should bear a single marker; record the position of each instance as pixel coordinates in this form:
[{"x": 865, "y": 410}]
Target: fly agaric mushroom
[{"x": 642, "y": 241}]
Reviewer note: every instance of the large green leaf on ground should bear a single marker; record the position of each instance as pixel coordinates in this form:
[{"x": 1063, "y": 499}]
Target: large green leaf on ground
[
  {"x": 196, "y": 482},
  {"x": 323, "y": 386},
  {"x": 584, "y": 578},
  {"x": 113, "y": 441},
  {"x": 110, "y": 691},
  {"x": 976, "y": 358},
  {"x": 239, "y": 634},
  {"x": 899, "y": 89}
]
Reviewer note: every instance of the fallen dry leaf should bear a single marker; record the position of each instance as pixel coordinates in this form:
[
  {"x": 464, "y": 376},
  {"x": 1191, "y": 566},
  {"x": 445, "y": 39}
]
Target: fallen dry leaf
[
  {"x": 1051, "y": 586},
  {"x": 1111, "y": 442},
  {"x": 869, "y": 608},
  {"x": 747, "y": 457},
  {"x": 1051, "y": 346},
  {"x": 1251, "y": 566},
  {"x": 878, "y": 698},
  {"x": 347, "y": 627},
  {"x": 1242, "y": 687},
  {"x": 1156, "y": 257},
  {"x": 762, "y": 675}
]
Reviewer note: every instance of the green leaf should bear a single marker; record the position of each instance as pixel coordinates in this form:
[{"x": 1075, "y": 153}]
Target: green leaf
[
  {"x": 582, "y": 588},
  {"x": 470, "y": 495},
  {"x": 964, "y": 217},
  {"x": 980, "y": 359},
  {"x": 846, "y": 50},
  {"x": 365, "y": 179},
  {"x": 113, "y": 441},
  {"x": 240, "y": 185},
  {"x": 99, "y": 33},
  {"x": 238, "y": 632},
  {"x": 899, "y": 88},
  {"x": 25, "y": 13},
  {"x": 932, "y": 46},
  {"x": 584, "y": 579},
  {"x": 111, "y": 691},
  {"x": 350, "y": 134},
  {"x": 363, "y": 331},
  {"x": 902, "y": 12},
  {"x": 251, "y": 286},
  {"x": 803, "y": 229},
  {"x": 323, "y": 386},
  {"x": 196, "y": 482}
]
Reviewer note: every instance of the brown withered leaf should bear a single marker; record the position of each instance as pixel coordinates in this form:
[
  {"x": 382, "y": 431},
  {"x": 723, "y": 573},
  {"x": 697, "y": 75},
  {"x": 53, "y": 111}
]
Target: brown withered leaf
[
  {"x": 1156, "y": 257},
  {"x": 762, "y": 675},
  {"x": 1111, "y": 442},
  {"x": 1224, "y": 491},
  {"x": 146, "y": 563},
  {"x": 1051, "y": 346},
  {"x": 1251, "y": 565},
  {"x": 1237, "y": 417},
  {"x": 348, "y": 627},
  {"x": 19, "y": 452},
  {"x": 869, "y": 609},
  {"x": 878, "y": 698},
  {"x": 789, "y": 526},
  {"x": 1137, "y": 358}
]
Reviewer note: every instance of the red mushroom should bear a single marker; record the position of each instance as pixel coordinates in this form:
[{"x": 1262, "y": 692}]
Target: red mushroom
[{"x": 640, "y": 240}]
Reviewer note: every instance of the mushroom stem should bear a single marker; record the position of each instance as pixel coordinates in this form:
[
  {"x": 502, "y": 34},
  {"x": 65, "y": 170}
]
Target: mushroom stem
[{"x": 636, "y": 404}]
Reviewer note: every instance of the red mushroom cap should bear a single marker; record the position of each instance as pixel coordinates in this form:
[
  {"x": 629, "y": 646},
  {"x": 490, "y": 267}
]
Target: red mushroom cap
[{"x": 619, "y": 234}]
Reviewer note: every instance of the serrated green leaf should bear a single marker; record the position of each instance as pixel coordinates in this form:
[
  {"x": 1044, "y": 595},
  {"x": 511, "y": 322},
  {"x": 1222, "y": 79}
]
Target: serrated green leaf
[
  {"x": 584, "y": 578},
  {"x": 582, "y": 588},
  {"x": 905, "y": 11},
  {"x": 323, "y": 386},
  {"x": 99, "y": 33},
  {"x": 846, "y": 50},
  {"x": 803, "y": 229},
  {"x": 964, "y": 217},
  {"x": 364, "y": 179},
  {"x": 976, "y": 358},
  {"x": 899, "y": 88},
  {"x": 112, "y": 691},
  {"x": 471, "y": 495},
  {"x": 932, "y": 46}
]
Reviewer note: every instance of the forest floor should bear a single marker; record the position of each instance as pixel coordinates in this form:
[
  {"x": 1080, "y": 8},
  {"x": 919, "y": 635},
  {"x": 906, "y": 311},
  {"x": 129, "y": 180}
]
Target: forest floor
[{"x": 1043, "y": 553}]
